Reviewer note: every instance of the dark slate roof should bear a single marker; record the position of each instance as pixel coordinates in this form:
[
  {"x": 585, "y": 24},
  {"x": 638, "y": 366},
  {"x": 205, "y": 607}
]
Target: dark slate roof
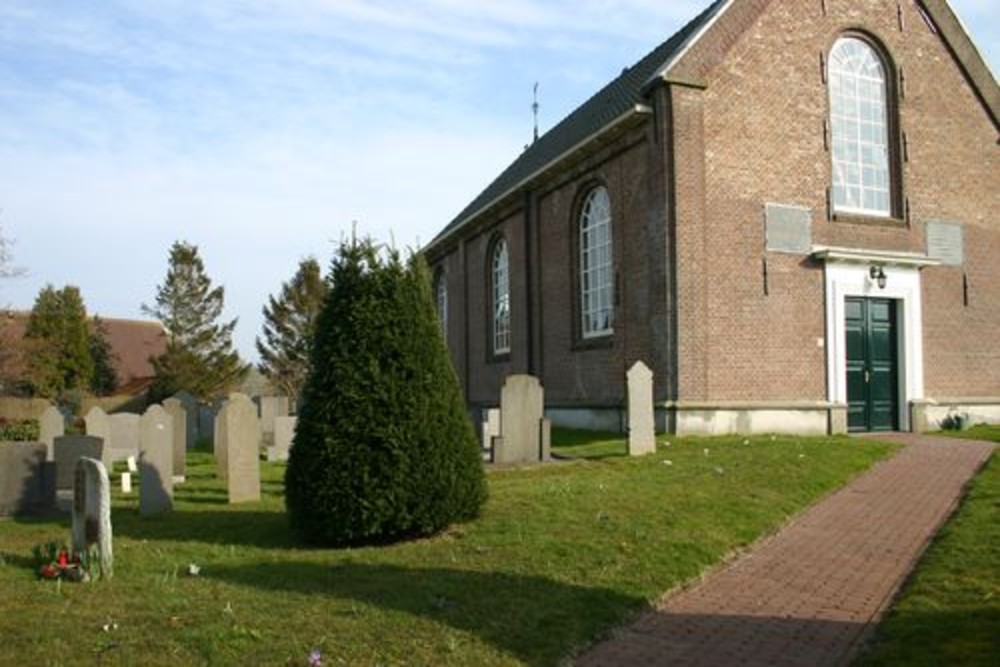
[{"x": 608, "y": 104}]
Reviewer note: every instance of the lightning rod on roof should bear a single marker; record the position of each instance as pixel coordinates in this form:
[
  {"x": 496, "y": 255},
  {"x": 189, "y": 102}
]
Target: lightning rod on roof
[{"x": 534, "y": 109}]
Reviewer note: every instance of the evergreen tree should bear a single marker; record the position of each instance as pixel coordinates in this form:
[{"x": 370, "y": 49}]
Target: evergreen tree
[
  {"x": 104, "y": 380},
  {"x": 199, "y": 357},
  {"x": 289, "y": 323},
  {"x": 58, "y": 342},
  {"x": 383, "y": 448}
]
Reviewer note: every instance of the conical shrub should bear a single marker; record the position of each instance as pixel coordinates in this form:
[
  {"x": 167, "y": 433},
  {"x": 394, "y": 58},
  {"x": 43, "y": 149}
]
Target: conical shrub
[{"x": 383, "y": 448}]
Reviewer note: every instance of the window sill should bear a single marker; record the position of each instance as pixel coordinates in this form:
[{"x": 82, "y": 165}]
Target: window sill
[
  {"x": 862, "y": 219},
  {"x": 596, "y": 343},
  {"x": 501, "y": 358}
]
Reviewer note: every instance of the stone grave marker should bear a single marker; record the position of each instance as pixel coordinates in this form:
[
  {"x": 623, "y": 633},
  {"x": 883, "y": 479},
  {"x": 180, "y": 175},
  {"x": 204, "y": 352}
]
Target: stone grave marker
[
  {"x": 99, "y": 425},
  {"x": 522, "y": 405},
  {"x": 124, "y": 435},
  {"x": 641, "y": 427},
  {"x": 92, "y": 514},
  {"x": 220, "y": 440},
  {"x": 190, "y": 405},
  {"x": 242, "y": 435},
  {"x": 156, "y": 461},
  {"x": 490, "y": 430},
  {"x": 284, "y": 433},
  {"x": 51, "y": 424},
  {"x": 68, "y": 450},
  {"x": 27, "y": 479},
  {"x": 271, "y": 407},
  {"x": 179, "y": 419}
]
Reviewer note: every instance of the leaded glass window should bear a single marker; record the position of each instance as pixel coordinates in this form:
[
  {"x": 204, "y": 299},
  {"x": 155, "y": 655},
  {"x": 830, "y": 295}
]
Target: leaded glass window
[
  {"x": 597, "y": 284},
  {"x": 501, "y": 298}
]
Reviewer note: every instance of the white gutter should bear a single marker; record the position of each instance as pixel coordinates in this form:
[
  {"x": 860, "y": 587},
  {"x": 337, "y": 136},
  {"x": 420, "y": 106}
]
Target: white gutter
[{"x": 636, "y": 110}]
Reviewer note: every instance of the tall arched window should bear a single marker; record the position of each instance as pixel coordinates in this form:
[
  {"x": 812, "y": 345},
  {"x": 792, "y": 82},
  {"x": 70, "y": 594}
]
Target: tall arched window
[
  {"x": 859, "y": 126},
  {"x": 500, "y": 285},
  {"x": 441, "y": 295},
  {"x": 597, "y": 283}
]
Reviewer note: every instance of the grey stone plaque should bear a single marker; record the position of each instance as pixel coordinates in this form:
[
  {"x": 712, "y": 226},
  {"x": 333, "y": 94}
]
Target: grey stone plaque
[
  {"x": 945, "y": 242},
  {"x": 788, "y": 228}
]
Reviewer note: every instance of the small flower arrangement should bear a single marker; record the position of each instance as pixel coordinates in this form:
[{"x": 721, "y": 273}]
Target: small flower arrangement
[{"x": 54, "y": 561}]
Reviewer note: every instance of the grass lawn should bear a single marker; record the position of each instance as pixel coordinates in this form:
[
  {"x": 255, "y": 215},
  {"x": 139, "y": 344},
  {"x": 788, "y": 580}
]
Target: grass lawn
[
  {"x": 949, "y": 612},
  {"x": 562, "y": 554}
]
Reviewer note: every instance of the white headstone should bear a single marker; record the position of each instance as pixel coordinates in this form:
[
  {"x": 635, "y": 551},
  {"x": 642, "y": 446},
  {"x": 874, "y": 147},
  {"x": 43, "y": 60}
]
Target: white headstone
[
  {"x": 490, "y": 429},
  {"x": 641, "y": 426},
  {"x": 132, "y": 464},
  {"x": 99, "y": 425},
  {"x": 522, "y": 406},
  {"x": 92, "y": 514},
  {"x": 156, "y": 460},
  {"x": 284, "y": 433},
  {"x": 51, "y": 425},
  {"x": 242, "y": 433},
  {"x": 178, "y": 416},
  {"x": 271, "y": 407},
  {"x": 126, "y": 482}
]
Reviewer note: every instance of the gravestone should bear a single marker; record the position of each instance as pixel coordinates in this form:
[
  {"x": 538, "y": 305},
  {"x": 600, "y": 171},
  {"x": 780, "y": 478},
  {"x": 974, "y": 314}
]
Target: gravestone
[
  {"x": 242, "y": 437},
  {"x": 284, "y": 433},
  {"x": 220, "y": 440},
  {"x": 490, "y": 430},
  {"x": 99, "y": 425},
  {"x": 124, "y": 436},
  {"x": 126, "y": 483},
  {"x": 68, "y": 450},
  {"x": 271, "y": 407},
  {"x": 92, "y": 514},
  {"x": 190, "y": 405},
  {"x": 51, "y": 425},
  {"x": 27, "y": 479},
  {"x": 179, "y": 421},
  {"x": 641, "y": 427},
  {"x": 156, "y": 461},
  {"x": 522, "y": 405}
]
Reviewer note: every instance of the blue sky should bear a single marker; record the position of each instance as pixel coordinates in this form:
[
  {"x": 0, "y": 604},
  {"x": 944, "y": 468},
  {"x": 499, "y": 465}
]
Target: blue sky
[{"x": 260, "y": 129}]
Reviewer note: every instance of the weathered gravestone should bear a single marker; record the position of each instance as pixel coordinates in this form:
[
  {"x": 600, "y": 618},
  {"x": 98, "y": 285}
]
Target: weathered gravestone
[
  {"x": 156, "y": 461},
  {"x": 641, "y": 427},
  {"x": 490, "y": 430},
  {"x": 68, "y": 450},
  {"x": 92, "y": 514},
  {"x": 179, "y": 420},
  {"x": 220, "y": 443},
  {"x": 190, "y": 405},
  {"x": 99, "y": 426},
  {"x": 523, "y": 428},
  {"x": 51, "y": 425},
  {"x": 27, "y": 479},
  {"x": 271, "y": 407},
  {"x": 124, "y": 436},
  {"x": 284, "y": 433},
  {"x": 242, "y": 436}
]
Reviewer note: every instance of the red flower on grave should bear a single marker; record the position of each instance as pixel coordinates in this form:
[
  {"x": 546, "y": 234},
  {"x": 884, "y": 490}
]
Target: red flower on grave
[{"x": 63, "y": 559}]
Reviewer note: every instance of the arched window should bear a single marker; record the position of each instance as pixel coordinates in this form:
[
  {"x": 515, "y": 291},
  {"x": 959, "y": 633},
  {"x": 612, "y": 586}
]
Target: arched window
[
  {"x": 597, "y": 283},
  {"x": 441, "y": 296},
  {"x": 859, "y": 126},
  {"x": 500, "y": 285}
]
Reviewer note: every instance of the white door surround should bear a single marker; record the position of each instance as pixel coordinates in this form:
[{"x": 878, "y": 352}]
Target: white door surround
[{"x": 848, "y": 274}]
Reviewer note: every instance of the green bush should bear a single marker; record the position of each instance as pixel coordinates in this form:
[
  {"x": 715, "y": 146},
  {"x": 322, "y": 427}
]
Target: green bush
[
  {"x": 25, "y": 430},
  {"x": 383, "y": 448}
]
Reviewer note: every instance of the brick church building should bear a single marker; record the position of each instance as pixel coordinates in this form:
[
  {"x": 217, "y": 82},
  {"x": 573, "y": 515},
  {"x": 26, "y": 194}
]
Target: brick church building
[{"x": 790, "y": 211}]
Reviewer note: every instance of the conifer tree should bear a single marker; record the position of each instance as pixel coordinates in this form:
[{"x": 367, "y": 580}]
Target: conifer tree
[
  {"x": 104, "y": 380},
  {"x": 199, "y": 357},
  {"x": 383, "y": 448},
  {"x": 289, "y": 323},
  {"x": 58, "y": 342}
]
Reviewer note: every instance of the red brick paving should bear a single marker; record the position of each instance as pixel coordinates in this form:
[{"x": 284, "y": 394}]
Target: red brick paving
[{"x": 810, "y": 594}]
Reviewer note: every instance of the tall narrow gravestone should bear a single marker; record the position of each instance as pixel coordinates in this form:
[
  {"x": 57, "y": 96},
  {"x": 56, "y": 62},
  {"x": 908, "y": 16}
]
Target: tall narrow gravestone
[
  {"x": 124, "y": 436},
  {"x": 271, "y": 407},
  {"x": 490, "y": 429},
  {"x": 92, "y": 514},
  {"x": 156, "y": 460},
  {"x": 51, "y": 425},
  {"x": 220, "y": 442},
  {"x": 242, "y": 433},
  {"x": 641, "y": 428},
  {"x": 522, "y": 407},
  {"x": 284, "y": 433},
  {"x": 99, "y": 426},
  {"x": 179, "y": 419}
]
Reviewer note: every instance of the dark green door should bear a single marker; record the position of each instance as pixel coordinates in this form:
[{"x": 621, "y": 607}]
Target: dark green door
[{"x": 872, "y": 383}]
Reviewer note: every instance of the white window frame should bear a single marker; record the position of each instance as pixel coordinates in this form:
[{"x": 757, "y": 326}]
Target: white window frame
[
  {"x": 597, "y": 278},
  {"x": 860, "y": 152},
  {"x": 441, "y": 298},
  {"x": 500, "y": 287}
]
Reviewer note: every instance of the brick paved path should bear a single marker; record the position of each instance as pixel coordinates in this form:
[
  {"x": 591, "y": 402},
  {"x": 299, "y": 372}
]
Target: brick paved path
[{"x": 809, "y": 595}]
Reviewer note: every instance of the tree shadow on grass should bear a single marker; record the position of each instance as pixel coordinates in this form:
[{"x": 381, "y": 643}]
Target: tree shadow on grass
[
  {"x": 538, "y": 620},
  {"x": 254, "y": 528}
]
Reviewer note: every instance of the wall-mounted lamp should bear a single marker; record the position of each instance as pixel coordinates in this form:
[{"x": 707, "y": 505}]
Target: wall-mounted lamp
[{"x": 877, "y": 276}]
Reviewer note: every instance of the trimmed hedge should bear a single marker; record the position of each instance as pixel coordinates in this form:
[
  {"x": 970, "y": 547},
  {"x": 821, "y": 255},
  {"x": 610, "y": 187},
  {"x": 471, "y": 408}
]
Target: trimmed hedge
[
  {"x": 19, "y": 430},
  {"x": 384, "y": 448}
]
